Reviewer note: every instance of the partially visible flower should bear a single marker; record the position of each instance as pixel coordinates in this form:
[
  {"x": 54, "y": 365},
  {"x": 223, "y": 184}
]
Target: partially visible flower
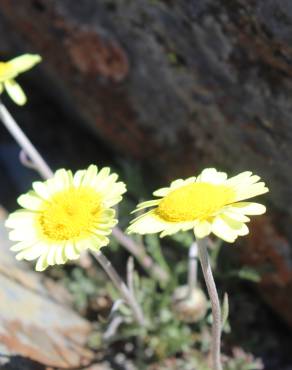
[
  {"x": 210, "y": 203},
  {"x": 65, "y": 215},
  {"x": 10, "y": 70}
]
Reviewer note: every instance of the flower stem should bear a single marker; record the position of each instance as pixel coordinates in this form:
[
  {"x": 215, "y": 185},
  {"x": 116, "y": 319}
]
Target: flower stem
[
  {"x": 130, "y": 274},
  {"x": 23, "y": 141},
  {"x": 121, "y": 286},
  {"x": 193, "y": 268},
  {"x": 216, "y": 309},
  {"x": 138, "y": 250},
  {"x": 39, "y": 164}
]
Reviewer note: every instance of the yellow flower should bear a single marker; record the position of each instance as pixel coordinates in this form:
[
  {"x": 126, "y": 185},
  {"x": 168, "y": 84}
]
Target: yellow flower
[
  {"x": 210, "y": 203},
  {"x": 10, "y": 70},
  {"x": 65, "y": 215}
]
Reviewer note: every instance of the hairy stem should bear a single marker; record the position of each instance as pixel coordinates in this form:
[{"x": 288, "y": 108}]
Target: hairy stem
[
  {"x": 121, "y": 286},
  {"x": 216, "y": 309},
  {"x": 23, "y": 141},
  {"x": 39, "y": 164},
  {"x": 193, "y": 268},
  {"x": 138, "y": 250},
  {"x": 130, "y": 274}
]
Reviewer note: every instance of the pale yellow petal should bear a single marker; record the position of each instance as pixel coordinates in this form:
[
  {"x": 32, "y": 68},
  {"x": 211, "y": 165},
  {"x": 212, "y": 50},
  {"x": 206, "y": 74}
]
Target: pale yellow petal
[
  {"x": 229, "y": 211},
  {"x": 102, "y": 174},
  {"x": 60, "y": 256},
  {"x": 104, "y": 228},
  {"x": 30, "y": 201},
  {"x": 221, "y": 229},
  {"x": 15, "y": 92},
  {"x": 107, "y": 214},
  {"x": 115, "y": 189},
  {"x": 97, "y": 241},
  {"x": 32, "y": 253},
  {"x": 24, "y": 62},
  {"x": 143, "y": 205},
  {"x": 239, "y": 179},
  {"x": 105, "y": 184},
  {"x": 187, "y": 225},
  {"x": 78, "y": 177},
  {"x": 83, "y": 244},
  {"x": 112, "y": 201},
  {"x": 62, "y": 180},
  {"x": 174, "y": 185},
  {"x": 20, "y": 218},
  {"x": 41, "y": 189},
  {"x": 70, "y": 251},
  {"x": 239, "y": 228},
  {"x": 212, "y": 176},
  {"x": 147, "y": 224},
  {"x": 170, "y": 229},
  {"x": 1, "y": 88},
  {"x": 105, "y": 222},
  {"x": 190, "y": 180},
  {"x": 42, "y": 263},
  {"x": 113, "y": 194},
  {"x": 202, "y": 229},
  {"x": 162, "y": 192},
  {"x": 51, "y": 256},
  {"x": 248, "y": 208},
  {"x": 101, "y": 230},
  {"x": 251, "y": 191},
  {"x": 246, "y": 185},
  {"x": 177, "y": 184},
  {"x": 21, "y": 245},
  {"x": 90, "y": 175},
  {"x": 23, "y": 234}
]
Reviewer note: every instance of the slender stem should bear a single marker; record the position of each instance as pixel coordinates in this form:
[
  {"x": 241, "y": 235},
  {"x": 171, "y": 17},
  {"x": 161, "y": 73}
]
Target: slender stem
[
  {"x": 130, "y": 274},
  {"x": 193, "y": 268},
  {"x": 39, "y": 164},
  {"x": 138, "y": 250},
  {"x": 121, "y": 286},
  {"x": 216, "y": 309},
  {"x": 23, "y": 141},
  {"x": 36, "y": 162},
  {"x": 113, "y": 327}
]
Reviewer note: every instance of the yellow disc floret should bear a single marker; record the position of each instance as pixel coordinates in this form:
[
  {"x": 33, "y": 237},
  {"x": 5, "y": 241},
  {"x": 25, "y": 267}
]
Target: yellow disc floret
[
  {"x": 194, "y": 201},
  {"x": 70, "y": 214}
]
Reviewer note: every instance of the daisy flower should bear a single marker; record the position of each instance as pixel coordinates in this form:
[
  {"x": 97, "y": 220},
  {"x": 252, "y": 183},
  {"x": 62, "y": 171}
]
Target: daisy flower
[
  {"x": 210, "y": 203},
  {"x": 65, "y": 215},
  {"x": 10, "y": 70}
]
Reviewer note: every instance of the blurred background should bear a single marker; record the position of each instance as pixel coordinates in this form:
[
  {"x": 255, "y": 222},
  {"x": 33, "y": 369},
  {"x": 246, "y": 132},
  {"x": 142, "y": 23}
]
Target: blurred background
[{"x": 158, "y": 90}]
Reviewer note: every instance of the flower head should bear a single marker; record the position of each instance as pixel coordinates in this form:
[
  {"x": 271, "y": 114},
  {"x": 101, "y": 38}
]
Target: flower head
[
  {"x": 210, "y": 203},
  {"x": 65, "y": 215},
  {"x": 10, "y": 70}
]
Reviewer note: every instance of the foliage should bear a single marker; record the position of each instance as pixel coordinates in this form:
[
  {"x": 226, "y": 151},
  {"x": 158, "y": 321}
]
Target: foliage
[{"x": 165, "y": 336}]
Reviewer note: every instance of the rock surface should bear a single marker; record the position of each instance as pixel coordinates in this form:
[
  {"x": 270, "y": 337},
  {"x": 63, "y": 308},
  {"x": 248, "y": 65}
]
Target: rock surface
[
  {"x": 180, "y": 85},
  {"x": 38, "y": 329}
]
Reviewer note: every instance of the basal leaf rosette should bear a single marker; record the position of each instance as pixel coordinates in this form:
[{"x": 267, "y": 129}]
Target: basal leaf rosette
[
  {"x": 65, "y": 215},
  {"x": 10, "y": 70},
  {"x": 210, "y": 203}
]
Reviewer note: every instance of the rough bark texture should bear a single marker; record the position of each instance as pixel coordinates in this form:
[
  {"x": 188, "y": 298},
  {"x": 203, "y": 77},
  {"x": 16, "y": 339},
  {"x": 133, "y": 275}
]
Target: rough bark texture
[{"x": 181, "y": 85}]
